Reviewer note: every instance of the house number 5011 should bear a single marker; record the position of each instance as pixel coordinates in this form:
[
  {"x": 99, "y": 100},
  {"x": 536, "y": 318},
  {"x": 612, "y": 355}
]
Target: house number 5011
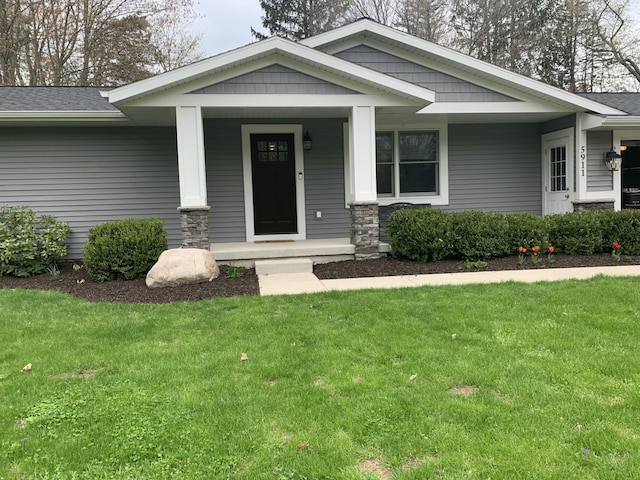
[{"x": 583, "y": 156}]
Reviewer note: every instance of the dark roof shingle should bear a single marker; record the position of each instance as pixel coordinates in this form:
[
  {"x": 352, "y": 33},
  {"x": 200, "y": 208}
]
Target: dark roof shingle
[
  {"x": 627, "y": 102},
  {"x": 45, "y": 99}
]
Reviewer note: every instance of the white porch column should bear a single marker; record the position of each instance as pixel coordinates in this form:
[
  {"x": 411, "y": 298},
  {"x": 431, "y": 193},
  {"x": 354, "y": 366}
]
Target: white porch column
[
  {"x": 194, "y": 211},
  {"x": 191, "y": 165},
  {"x": 365, "y": 223},
  {"x": 362, "y": 123}
]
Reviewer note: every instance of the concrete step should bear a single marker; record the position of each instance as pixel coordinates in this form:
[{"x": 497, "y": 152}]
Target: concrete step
[
  {"x": 245, "y": 254},
  {"x": 287, "y": 265}
]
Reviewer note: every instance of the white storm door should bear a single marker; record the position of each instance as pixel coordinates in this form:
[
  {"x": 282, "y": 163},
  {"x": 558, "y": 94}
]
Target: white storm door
[{"x": 558, "y": 178}]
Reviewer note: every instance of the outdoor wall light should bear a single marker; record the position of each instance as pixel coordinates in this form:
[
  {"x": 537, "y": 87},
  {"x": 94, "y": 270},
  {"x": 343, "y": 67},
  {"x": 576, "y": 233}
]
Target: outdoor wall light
[
  {"x": 307, "y": 143},
  {"x": 612, "y": 160}
]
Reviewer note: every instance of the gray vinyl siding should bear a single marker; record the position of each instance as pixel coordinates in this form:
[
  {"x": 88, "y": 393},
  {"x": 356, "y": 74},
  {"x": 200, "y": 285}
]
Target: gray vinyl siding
[
  {"x": 324, "y": 181},
  {"x": 568, "y": 121},
  {"x": 599, "y": 178},
  {"x": 324, "y": 178},
  {"x": 448, "y": 88},
  {"x": 275, "y": 80},
  {"x": 225, "y": 188},
  {"x": 495, "y": 168},
  {"x": 87, "y": 176}
]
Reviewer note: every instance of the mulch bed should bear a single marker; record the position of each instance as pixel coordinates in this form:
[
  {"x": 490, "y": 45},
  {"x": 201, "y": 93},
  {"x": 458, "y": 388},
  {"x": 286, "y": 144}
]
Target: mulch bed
[
  {"x": 80, "y": 284},
  {"x": 391, "y": 266}
]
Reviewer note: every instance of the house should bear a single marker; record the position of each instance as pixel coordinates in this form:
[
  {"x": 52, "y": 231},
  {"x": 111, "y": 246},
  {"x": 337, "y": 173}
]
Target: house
[{"x": 288, "y": 147}]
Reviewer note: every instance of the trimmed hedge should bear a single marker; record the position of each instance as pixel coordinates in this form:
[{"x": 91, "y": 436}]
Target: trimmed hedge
[
  {"x": 124, "y": 249},
  {"x": 577, "y": 233},
  {"x": 624, "y": 228},
  {"x": 476, "y": 235},
  {"x": 29, "y": 244},
  {"x": 420, "y": 235},
  {"x": 429, "y": 235}
]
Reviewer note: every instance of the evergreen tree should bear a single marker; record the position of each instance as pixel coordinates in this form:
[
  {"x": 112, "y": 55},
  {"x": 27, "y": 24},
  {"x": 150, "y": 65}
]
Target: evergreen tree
[{"x": 298, "y": 19}]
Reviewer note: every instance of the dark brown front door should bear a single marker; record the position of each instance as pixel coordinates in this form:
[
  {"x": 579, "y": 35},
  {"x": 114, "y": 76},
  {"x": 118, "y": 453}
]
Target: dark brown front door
[{"x": 274, "y": 184}]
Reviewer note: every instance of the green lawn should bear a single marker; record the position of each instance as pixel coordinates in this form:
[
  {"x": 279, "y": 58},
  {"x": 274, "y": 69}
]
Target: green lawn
[{"x": 343, "y": 385}]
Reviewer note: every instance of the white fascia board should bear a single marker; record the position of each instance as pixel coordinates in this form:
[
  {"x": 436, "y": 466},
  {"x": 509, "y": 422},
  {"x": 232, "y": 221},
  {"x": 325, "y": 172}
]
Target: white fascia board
[
  {"x": 62, "y": 116},
  {"x": 189, "y": 72},
  {"x": 622, "y": 122},
  {"x": 181, "y": 96},
  {"x": 589, "y": 122},
  {"x": 378, "y": 80},
  {"x": 592, "y": 122},
  {"x": 273, "y": 46},
  {"x": 488, "y": 107},
  {"x": 364, "y": 27},
  {"x": 273, "y": 101}
]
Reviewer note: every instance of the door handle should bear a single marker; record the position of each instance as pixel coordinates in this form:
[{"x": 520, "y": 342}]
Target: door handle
[{"x": 566, "y": 195}]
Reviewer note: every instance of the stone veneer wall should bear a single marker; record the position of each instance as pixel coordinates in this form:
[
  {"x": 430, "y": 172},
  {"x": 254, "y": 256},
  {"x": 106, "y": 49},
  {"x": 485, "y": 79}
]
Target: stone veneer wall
[
  {"x": 194, "y": 222},
  {"x": 365, "y": 229},
  {"x": 584, "y": 205}
]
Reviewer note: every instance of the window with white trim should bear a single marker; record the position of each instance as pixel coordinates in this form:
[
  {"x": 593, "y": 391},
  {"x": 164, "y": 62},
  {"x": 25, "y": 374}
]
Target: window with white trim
[{"x": 407, "y": 163}]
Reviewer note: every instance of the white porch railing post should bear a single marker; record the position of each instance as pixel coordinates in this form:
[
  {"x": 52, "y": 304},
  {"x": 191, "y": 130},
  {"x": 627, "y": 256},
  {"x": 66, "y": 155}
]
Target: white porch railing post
[
  {"x": 191, "y": 166},
  {"x": 194, "y": 211},
  {"x": 365, "y": 223},
  {"x": 362, "y": 123}
]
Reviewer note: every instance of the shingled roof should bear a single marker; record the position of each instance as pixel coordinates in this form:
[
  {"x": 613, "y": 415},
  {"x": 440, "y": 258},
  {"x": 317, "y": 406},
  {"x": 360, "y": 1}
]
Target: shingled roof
[
  {"x": 54, "y": 99},
  {"x": 627, "y": 102}
]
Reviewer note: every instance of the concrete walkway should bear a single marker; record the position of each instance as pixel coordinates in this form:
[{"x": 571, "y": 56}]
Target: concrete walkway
[{"x": 294, "y": 283}]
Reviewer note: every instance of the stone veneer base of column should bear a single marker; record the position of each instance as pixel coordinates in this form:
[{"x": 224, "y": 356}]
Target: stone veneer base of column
[
  {"x": 365, "y": 229},
  {"x": 584, "y": 205},
  {"x": 194, "y": 222}
]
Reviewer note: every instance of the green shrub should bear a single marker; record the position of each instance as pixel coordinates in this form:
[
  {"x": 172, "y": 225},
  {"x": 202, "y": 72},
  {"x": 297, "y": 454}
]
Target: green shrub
[
  {"x": 419, "y": 235},
  {"x": 431, "y": 235},
  {"x": 527, "y": 230},
  {"x": 576, "y": 233},
  {"x": 124, "y": 249},
  {"x": 30, "y": 245},
  {"x": 476, "y": 235},
  {"x": 622, "y": 227}
]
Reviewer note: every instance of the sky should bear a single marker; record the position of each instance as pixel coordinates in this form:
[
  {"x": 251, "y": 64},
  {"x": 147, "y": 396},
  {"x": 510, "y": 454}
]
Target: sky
[{"x": 225, "y": 24}]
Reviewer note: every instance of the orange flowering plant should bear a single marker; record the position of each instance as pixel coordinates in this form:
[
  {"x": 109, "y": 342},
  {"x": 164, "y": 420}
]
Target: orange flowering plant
[
  {"x": 535, "y": 250},
  {"x": 615, "y": 253},
  {"x": 550, "y": 251},
  {"x": 521, "y": 256},
  {"x": 536, "y": 255}
]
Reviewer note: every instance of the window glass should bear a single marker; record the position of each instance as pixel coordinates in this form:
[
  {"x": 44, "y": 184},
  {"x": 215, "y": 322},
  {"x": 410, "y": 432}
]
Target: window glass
[
  {"x": 418, "y": 147},
  {"x": 384, "y": 163},
  {"x": 384, "y": 178},
  {"x": 558, "y": 169},
  {"x": 414, "y": 160},
  {"x": 418, "y": 177},
  {"x": 384, "y": 147}
]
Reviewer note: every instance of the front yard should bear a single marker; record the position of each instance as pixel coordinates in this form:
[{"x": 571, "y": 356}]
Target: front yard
[{"x": 490, "y": 381}]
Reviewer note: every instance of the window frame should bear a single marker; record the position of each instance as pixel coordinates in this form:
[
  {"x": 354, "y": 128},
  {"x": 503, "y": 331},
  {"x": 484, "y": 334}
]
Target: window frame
[{"x": 441, "y": 197}]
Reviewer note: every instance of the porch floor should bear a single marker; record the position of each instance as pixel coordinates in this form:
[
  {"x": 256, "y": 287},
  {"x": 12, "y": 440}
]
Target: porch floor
[{"x": 319, "y": 251}]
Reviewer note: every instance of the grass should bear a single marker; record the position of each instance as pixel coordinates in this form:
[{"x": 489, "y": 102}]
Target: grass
[{"x": 342, "y": 385}]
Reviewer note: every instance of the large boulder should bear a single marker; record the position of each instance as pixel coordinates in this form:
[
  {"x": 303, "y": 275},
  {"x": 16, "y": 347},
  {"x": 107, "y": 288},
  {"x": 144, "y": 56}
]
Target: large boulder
[{"x": 182, "y": 266}]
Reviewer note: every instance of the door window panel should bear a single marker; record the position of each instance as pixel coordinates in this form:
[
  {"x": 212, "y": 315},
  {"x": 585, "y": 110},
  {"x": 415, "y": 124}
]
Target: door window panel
[{"x": 558, "y": 169}]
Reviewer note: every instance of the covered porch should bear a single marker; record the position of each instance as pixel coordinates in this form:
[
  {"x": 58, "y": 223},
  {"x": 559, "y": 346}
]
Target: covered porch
[{"x": 250, "y": 185}]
